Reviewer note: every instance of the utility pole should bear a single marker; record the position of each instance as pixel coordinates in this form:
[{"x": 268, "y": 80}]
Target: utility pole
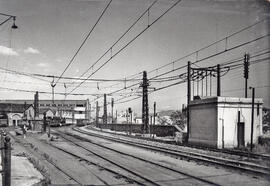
[
  {"x": 116, "y": 116},
  {"x": 36, "y": 110},
  {"x": 127, "y": 116},
  {"x": 252, "y": 117},
  {"x": 112, "y": 103},
  {"x": 154, "y": 113},
  {"x": 97, "y": 113},
  {"x": 246, "y": 71},
  {"x": 145, "y": 108},
  {"x": 53, "y": 85},
  {"x": 90, "y": 107},
  {"x": 130, "y": 114},
  {"x": 105, "y": 110},
  {"x": 206, "y": 83},
  {"x": 218, "y": 80},
  {"x": 188, "y": 98},
  {"x": 87, "y": 110}
]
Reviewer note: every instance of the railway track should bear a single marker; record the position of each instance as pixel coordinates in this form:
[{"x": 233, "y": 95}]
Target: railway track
[
  {"x": 116, "y": 174},
  {"x": 48, "y": 160},
  {"x": 67, "y": 136},
  {"x": 244, "y": 154},
  {"x": 130, "y": 180},
  {"x": 229, "y": 163}
]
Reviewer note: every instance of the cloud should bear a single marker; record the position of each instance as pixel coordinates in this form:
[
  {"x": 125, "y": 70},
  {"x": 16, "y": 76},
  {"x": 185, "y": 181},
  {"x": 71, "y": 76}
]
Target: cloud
[
  {"x": 31, "y": 50},
  {"x": 7, "y": 51},
  {"x": 58, "y": 60},
  {"x": 43, "y": 65}
]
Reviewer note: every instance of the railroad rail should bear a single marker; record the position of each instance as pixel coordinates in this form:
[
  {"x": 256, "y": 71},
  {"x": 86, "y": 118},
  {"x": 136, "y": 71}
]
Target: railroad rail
[
  {"x": 47, "y": 159},
  {"x": 212, "y": 149},
  {"x": 229, "y": 163},
  {"x": 130, "y": 180},
  {"x": 115, "y": 173},
  {"x": 65, "y": 134}
]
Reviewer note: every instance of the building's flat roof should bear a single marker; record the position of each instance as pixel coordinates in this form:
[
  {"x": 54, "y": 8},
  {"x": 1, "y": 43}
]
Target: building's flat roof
[
  {"x": 42, "y": 100},
  {"x": 220, "y": 99}
]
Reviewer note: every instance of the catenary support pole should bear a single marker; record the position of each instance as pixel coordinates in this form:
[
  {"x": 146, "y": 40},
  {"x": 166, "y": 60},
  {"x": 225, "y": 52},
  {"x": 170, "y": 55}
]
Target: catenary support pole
[
  {"x": 112, "y": 104},
  {"x": 252, "y": 118},
  {"x": 97, "y": 113},
  {"x": 105, "y": 109},
  {"x": 188, "y": 98},
  {"x": 246, "y": 72},
  {"x": 218, "y": 80}
]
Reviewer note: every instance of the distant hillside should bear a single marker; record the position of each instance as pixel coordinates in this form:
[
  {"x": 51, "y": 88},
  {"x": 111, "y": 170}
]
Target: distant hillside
[{"x": 165, "y": 113}]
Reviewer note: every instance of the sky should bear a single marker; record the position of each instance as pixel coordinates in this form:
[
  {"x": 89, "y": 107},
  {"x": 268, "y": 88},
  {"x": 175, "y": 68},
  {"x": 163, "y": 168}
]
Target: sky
[{"x": 50, "y": 32}]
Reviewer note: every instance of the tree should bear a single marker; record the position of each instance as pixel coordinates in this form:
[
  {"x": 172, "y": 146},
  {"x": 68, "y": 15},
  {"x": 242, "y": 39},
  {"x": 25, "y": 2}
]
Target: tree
[{"x": 179, "y": 118}]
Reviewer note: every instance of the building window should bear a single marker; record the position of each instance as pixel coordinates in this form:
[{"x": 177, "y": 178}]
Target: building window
[
  {"x": 59, "y": 105},
  {"x": 48, "y": 105},
  {"x": 80, "y": 112},
  {"x": 79, "y": 105},
  {"x": 42, "y": 105}
]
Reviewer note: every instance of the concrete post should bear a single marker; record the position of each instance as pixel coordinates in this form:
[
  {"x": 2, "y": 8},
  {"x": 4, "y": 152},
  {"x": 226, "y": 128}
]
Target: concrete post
[
  {"x": 6, "y": 175},
  {"x": 49, "y": 134}
]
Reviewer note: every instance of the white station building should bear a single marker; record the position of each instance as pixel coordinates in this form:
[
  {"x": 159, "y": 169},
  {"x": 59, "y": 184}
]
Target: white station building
[{"x": 224, "y": 122}]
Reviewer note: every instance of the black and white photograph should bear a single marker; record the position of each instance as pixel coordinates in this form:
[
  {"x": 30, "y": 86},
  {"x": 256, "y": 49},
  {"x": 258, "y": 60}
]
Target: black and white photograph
[{"x": 135, "y": 92}]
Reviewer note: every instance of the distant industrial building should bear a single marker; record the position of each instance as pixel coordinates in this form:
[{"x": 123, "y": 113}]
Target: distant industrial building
[
  {"x": 72, "y": 110},
  {"x": 11, "y": 114}
]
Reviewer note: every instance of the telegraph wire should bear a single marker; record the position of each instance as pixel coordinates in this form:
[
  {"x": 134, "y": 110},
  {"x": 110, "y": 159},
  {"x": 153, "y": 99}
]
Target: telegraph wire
[
  {"x": 216, "y": 42},
  {"x": 84, "y": 41},
  {"x": 240, "y": 89},
  {"x": 63, "y": 77},
  {"x": 23, "y": 73},
  {"x": 44, "y": 92},
  {"x": 58, "y": 93}
]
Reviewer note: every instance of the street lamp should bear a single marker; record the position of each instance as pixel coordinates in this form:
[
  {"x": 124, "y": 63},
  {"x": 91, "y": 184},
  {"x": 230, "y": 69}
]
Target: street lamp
[{"x": 14, "y": 26}]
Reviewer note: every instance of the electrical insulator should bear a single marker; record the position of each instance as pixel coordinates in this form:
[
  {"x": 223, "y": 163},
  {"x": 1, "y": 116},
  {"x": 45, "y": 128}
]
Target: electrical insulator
[{"x": 112, "y": 103}]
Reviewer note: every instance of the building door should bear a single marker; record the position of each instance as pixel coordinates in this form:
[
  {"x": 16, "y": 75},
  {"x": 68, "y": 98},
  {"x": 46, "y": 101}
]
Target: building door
[
  {"x": 241, "y": 134},
  {"x": 14, "y": 122}
]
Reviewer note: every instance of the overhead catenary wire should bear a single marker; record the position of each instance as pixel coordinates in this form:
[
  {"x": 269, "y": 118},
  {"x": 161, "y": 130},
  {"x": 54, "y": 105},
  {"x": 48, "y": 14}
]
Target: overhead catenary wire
[
  {"x": 120, "y": 50},
  {"x": 84, "y": 41},
  {"x": 207, "y": 46},
  {"x": 208, "y": 57},
  {"x": 211, "y": 44},
  {"x": 119, "y": 39},
  {"x": 233, "y": 67},
  {"x": 183, "y": 81}
]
